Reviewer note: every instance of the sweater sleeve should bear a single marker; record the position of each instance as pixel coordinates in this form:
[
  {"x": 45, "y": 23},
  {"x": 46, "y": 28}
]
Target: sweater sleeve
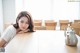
[{"x": 8, "y": 34}]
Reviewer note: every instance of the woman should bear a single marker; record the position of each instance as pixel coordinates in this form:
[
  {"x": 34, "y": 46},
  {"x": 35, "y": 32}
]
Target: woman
[{"x": 23, "y": 24}]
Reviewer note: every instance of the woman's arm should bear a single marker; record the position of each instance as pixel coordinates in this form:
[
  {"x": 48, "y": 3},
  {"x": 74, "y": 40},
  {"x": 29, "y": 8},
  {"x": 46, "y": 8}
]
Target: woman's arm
[
  {"x": 2, "y": 42},
  {"x": 24, "y": 31},
  {"x": 7, "y": 35}
]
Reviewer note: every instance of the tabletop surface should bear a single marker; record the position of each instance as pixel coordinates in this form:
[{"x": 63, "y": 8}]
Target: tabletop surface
[{"x": 41, "y": 41}]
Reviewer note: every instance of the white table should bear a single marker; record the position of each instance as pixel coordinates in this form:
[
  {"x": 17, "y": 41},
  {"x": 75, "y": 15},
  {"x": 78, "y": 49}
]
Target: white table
[{"x": 42, "y": 41}]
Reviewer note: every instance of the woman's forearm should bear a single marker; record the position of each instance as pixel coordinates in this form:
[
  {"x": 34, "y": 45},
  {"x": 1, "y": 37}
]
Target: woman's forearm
[{"x": 2, "y": 42}]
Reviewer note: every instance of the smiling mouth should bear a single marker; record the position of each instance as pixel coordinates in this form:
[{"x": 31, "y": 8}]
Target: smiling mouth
[{"x": 23, "y": 28}]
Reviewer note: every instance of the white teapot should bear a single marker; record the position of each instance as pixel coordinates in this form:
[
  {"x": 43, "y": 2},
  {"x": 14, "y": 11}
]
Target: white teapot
[{"x": 70, "y": 37}]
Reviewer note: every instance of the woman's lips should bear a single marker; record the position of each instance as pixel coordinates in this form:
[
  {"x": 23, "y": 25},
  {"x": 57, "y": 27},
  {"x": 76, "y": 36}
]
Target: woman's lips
[{"x": 23, "y": 28}]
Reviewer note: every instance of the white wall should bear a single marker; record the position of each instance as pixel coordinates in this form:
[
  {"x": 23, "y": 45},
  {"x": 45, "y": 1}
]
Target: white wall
[
  {"x": 79, "y": 10},
  {"x": 52, "y": 9},
  {"x": 1, "y": 18},
  {"x": 39, "y": 9},
  {"x": 9, "y": 11},
  {"x": 62, "y": 9},
  {"x": 18, "y": 6}
]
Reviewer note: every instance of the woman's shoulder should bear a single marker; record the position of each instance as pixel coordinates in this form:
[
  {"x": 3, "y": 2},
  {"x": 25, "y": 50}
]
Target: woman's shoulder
[
  {"x": 11, "y": 27},
  {"x": 9, "y": 33}
]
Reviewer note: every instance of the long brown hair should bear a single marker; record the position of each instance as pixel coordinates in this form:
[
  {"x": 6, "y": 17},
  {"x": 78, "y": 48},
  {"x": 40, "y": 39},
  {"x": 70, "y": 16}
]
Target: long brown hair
[{"x": 24, "y": 14}]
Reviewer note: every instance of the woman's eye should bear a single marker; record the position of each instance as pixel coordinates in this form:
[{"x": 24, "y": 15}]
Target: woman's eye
[
  {"x": 26, "y": 22},
  {"x": 21, "y": 21}
]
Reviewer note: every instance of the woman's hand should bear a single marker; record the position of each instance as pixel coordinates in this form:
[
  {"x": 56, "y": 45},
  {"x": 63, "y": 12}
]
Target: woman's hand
[{"x": 24, "y": 31}]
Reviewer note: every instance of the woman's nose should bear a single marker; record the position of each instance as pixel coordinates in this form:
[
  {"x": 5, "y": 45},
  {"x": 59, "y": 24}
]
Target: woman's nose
[{"x": 23, "y": 24}]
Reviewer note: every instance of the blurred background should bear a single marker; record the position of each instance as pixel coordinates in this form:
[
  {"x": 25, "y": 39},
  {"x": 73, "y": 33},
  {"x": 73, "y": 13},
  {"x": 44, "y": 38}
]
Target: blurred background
[{"x": 39, "y": 9}]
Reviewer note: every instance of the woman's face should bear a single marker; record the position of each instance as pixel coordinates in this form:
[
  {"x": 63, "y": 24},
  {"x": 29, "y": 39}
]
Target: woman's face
[{"x": 23, "y": 23}]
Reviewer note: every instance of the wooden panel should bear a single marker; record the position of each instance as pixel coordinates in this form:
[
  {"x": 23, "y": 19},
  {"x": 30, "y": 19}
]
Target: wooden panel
[
  {"x": 63, "y": 24},
  {"x": 76, "y": 27},
  {"x": 62, "y": 27},
  {"x": 50, "y": 27},
  {"x": 78, "y": 21},
  {"x": 50, "y": 24},
  {"x": 63, "y": 21},
  {"x": 39, "y": 28},
  {"x": 49, "y": 21},
  {"x": 37, "y": 22}
]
